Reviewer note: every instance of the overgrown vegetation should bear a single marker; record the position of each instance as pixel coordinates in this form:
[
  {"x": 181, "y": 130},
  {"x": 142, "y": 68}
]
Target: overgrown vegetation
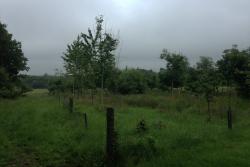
[
  {"x": 12, "y": 61},
  {"x": 160, "y": 116},
  {"x": 37, "y": 131}
]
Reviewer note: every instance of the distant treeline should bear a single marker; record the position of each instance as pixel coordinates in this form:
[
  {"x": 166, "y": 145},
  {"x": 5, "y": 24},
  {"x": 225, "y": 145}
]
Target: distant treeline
[
  {"x": 39, "y": 82},
  {"x": 204, "y": 77},
  {"x": 90, "y": 64}
]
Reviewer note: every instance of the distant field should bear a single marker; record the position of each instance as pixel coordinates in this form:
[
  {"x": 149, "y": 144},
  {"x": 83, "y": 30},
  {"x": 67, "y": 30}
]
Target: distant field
[{"x": 36, "y": 130}]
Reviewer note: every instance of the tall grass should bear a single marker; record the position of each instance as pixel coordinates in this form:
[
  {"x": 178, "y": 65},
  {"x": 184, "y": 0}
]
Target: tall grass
[{"x": 36, "y": 130}]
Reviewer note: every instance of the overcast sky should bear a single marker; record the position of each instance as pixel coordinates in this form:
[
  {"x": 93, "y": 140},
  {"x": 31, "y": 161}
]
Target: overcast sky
[{"x": 192, "y": 27}]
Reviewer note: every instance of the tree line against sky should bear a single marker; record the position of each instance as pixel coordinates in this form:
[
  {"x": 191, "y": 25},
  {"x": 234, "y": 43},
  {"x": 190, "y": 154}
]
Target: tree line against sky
[{"x": 90, "y": 64}]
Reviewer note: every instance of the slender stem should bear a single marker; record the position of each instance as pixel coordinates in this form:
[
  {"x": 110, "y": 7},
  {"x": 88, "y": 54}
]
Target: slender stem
[{"x": 102, "y": 86}]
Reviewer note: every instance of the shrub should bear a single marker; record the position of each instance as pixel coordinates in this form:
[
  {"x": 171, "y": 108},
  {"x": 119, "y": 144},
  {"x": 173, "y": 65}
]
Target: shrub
[
  {"x": 141, "y": 127},
  {"x": 131, "y": 82}
]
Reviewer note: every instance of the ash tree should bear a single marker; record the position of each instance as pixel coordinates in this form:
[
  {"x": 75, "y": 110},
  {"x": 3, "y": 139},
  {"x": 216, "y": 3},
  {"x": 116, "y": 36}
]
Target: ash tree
[
  {"x": 90, "y": 59},
  {"x": 192, "y": 82},
  {"x": 12, "y": 62},
  {"x": 73, "y": 59},
  {"x": 245, "y": 82},
  {"x": 202, "y": 80},
  {"x": 234, "y": 66},
  {"x": 104, "y": 58},
  {"x": 175, "y": 72},
  {"x": 242, "y": 74}
]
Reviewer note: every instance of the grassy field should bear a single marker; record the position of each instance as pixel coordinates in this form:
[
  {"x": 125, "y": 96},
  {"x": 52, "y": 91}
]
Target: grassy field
[{"x": 36, "y": 130}]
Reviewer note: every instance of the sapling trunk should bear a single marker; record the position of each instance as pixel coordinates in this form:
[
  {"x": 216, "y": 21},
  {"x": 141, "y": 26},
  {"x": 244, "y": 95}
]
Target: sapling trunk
[
  {"x": 229, "y": 118},
  {"x": 92, "y": 97},
  {"x": 102, "y": 86},
  {"x": 209, "y": 111},
  {"x": 229, "y": 112},
  {"x": 102, "y": 92},
  {"x": 172, "y": 87},
  {"x": 110, "y": 138}
]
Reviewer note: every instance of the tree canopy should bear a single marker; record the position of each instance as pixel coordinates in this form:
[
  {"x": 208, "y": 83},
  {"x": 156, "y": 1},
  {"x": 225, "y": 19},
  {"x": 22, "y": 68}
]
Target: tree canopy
[
  {"x": 12, "y": 61},
  {"x": 234, "y": 67},
  {"x": 90, "y": 58}
]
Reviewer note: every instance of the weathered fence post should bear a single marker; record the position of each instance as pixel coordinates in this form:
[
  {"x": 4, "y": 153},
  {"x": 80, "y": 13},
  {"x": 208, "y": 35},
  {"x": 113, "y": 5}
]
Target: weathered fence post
[
  {"x": 71, "y": 104},
  {"x": 59, "y": 99},
  {"x": 229, "y": 118},
  {"x": 85, "y": 120},
  {"x": 110, "y": 145},
  {"x": 92, "y": 96}
]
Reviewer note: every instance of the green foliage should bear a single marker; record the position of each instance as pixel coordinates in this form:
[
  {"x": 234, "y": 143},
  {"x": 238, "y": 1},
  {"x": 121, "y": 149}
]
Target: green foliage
[
  {"x": 36, "y": 131},
  {"x": 131, "y": 81},
  {"x": 192, "y": 83},
  {"x": 245, "y": 87},
  {"x": 56, "y": 86},
  {"x": 151, "y": 78},
  {"x": 203, "y": 80},
  {"x": 208, "y": 77},
  {"x": 112, "y": 83},
  {"x": 234, "y": 66},
  {"x": 12, "y": 61},
  {"x": 176, "y": 68},
  {"x": 90, "y": 59},
  {"x": 141, "y": 127}
]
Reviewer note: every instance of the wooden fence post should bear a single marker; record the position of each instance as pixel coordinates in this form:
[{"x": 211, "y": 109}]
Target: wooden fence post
[
  {"x": 85, "y": 120},
  {"x": 229, "y": 118},
  {"x": 110, "y": 145},
  {"x": 71, "y": 104}
]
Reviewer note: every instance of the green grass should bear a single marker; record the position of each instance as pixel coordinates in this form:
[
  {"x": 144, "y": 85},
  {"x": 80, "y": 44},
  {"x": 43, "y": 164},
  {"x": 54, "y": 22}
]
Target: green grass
[{"x": 35, "y": 130}]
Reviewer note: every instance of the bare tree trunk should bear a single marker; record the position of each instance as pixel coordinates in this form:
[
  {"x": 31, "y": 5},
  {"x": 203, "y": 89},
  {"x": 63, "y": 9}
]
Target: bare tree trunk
[
  {"x": 229, "y": 112},
  {"x": 71, "y": 104},
  {"x": 229, "y": 119},
  {"x": 59, "y": 98},
  {"x": 199, "y": 105},
  {"x": 92, "y": 97},
  {"x": 172, "y": 87},
  {"x": 111, "y": 149},
  {"x": 78, "y": 93},
  {"x": 85, "y": 120},
  {"x": 102, "y": 88},
  {"x": 73, "y": 88},
  {"x": 209, "y": 111}
]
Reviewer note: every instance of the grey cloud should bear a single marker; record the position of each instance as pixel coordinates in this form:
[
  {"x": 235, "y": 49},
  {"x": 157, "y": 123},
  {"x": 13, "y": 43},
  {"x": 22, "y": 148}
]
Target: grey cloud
[{"x": 195, "y": 28}]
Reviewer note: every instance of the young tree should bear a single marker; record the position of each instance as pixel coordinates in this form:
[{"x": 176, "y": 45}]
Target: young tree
[
  {"x": 12, "y": 61},
  {"x": 105, "y": 58},
  {"x": 91, "y": 57},
  {"x": 193, "y": 81},
  {"x": 73, "y": 62},
  {"x": 242, "y": 74},
  {"x": 247, "y": 80},
  {"x": 231, "y": 65},
  {"x": 176, "y": 68},
  {"x": 208, "y": 80},
  {"x": 234, "y": 66},
  {"x": 203, "y": 80}
]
